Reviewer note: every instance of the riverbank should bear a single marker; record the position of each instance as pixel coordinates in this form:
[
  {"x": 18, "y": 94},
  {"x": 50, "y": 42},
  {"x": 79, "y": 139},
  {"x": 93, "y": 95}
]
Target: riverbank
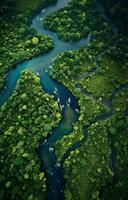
[{"x": 77, "y": 154}]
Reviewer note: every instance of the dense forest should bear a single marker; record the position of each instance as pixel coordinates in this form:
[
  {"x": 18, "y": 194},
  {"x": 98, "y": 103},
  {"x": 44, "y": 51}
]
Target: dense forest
[{"x": 94, "y": 153}]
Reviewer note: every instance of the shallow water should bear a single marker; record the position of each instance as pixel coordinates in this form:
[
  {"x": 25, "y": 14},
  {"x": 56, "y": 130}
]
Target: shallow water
[{"x": 41, "y": 65}]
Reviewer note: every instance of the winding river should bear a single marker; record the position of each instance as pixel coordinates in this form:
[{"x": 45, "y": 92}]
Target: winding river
[{"x": 41, "y": 65}]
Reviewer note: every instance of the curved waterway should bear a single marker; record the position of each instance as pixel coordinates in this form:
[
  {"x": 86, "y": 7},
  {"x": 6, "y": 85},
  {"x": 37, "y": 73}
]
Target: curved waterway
[{"x": 41, "y": 65}]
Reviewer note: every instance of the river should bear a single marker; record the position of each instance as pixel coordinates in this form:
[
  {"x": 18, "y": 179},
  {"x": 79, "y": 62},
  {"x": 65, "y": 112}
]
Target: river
[{"x": 41, "y": 65}]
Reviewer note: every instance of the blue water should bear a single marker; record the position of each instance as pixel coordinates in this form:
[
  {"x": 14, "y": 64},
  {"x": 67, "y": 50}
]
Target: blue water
[
  {"x": 42, "y": 62},
  {"x": 41, "y": 65}
]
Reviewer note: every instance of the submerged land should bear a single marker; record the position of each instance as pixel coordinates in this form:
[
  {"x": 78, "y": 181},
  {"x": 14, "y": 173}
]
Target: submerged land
[{"x": 90, "y": 153}]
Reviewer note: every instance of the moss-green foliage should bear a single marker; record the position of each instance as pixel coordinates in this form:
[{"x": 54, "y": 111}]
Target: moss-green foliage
[
  {"x": 16, "y": 38},
  {"x": 29, "y": 4},
  {"x": 77, "y": 21},
  {"x": 72, "y": 65},
  {"x": 121, "y": 102},
  {"x": 118, "y": 189},
  {"x": 89, "y": 109},
  {"x": 33, "y": 4},
  {"x": 25, "y": 118},
  {"x": 30, "y": 113},
  {"x": 101, "y": 84},
  {"x": 109, "y": 76},
  {"x": 87, "y": 168},
  {"x": 118, "y": 130}
]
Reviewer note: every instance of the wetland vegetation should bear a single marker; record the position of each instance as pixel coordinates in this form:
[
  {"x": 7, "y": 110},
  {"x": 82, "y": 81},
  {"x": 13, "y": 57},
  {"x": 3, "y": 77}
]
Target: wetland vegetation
[{"x": 92, "y": 157}]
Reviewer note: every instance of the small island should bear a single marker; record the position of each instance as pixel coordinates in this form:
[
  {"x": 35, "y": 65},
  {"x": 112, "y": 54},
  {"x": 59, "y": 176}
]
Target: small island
[{"x": 63, "y": 100}]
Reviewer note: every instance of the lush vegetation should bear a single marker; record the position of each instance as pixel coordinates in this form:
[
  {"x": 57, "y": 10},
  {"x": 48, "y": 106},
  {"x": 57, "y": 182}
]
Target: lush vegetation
[
  {"x": 18, "y": 42},
  {"x": 77, "y": 21},
  {"x": 118, "y": 131},
  {"x": 25, "y": 118},
  {"x": 97, "y": 169},
  {"x": 89, "y": 170},
  {"x": 89, "y": 109},
  {"x": 108, "y": 77}
]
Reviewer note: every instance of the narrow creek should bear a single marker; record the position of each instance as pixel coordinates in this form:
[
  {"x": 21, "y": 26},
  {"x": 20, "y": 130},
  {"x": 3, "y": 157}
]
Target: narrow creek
[{"x": 41, "y": 65}]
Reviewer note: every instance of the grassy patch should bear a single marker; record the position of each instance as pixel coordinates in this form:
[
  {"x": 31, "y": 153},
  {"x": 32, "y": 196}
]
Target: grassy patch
[{"x": 109, "y": 76}]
